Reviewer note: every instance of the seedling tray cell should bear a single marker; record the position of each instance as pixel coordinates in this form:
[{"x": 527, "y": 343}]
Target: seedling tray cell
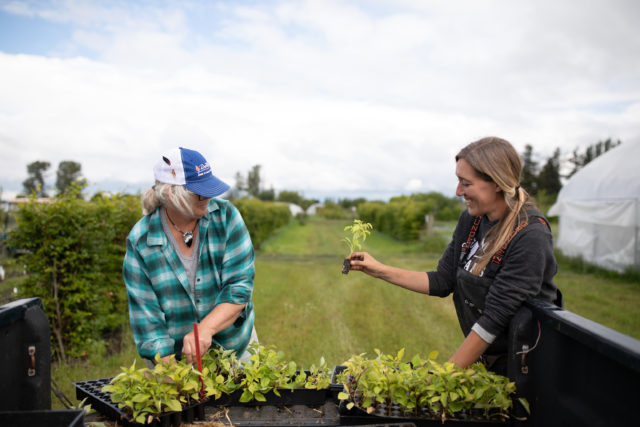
[{"x": 101, "y": 402}]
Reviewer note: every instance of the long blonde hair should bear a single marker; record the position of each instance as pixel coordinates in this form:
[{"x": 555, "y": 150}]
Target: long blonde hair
[
  {"x": 162, "y": 194},
  {"x": 495, "y": 160}
]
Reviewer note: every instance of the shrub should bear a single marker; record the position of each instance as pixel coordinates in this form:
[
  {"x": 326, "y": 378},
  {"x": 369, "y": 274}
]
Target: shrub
[
  {"x": 262, "y": 218},
  {"x": 403, "y": 217},
  {"x": 331, "y": 210},
  {"x": 74, "y": 264}
]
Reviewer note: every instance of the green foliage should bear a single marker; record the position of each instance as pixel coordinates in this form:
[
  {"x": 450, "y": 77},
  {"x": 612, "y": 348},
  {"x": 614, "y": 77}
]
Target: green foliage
[
  {"x": 146, "y": 393},
  {"x": 434, "y": 243},
  {"x": 68, "y": 172},
  {"x": 171, "y": 385},
  {"x": 580, "y": 160},
  {"x": 351, "y": 203},
  {"x": 267, "y": 195},
  {"x": 359, "y": 232},
  {"x": 443, "y": 390},
  {"x": 74, "y": 264},
  {"x": 529, "y": 174},
  {"x": 549, "y": 177},
  {"x": 331, "y": 210},
  {"x": 404, "y": 217},
  {"x": 262, "y": 218},
  {"x": 267, "y": 370},
  {"x": 254, "y": 181},
  {"x": 224, "y": 371},
  {"x": 295, "y": 197},
  {"x": 35, "y": 182}
]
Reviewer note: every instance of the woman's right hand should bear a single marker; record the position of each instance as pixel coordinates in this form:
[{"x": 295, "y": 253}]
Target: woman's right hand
[
  {"x": 363, "y": 261},
  {"x": 417, "y": 281}
]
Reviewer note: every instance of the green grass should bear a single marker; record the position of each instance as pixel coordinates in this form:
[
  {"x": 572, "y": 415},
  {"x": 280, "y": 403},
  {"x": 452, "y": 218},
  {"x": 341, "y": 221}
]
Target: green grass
[
  {"x": 607, "y": 299},
  {"x": 101, "y": 362},
  {"x": 322, "y": 312},
  {"x": 307, "y": 308}
]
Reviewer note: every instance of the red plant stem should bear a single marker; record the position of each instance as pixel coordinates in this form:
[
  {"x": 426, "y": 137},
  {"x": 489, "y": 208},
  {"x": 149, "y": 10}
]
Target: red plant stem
[{"x": 198, "y": 358}]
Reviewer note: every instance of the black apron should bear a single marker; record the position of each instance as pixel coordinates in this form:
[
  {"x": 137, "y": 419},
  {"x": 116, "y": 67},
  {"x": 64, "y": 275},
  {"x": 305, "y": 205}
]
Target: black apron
[
  {"x": 471, "y": 291},
  {"x": 469, "y": 300}
]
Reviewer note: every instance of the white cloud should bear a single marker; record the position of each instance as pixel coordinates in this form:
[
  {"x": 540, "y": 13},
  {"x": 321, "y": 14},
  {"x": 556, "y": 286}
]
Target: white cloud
[{"x": 327, "y": 96}]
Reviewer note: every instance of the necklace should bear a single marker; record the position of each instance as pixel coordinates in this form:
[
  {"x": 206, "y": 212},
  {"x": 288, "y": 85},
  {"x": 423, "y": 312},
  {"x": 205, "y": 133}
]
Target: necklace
[{"x": 187, "y": 236}]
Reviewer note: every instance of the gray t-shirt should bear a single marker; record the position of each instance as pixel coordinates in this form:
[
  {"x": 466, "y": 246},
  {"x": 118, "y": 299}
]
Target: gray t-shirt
[{"x": 190, "y": 263}]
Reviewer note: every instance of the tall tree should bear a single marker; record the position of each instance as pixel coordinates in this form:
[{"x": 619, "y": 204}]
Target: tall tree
[
  {"x": 549, "y": 176},
  {"x": 68, "y": 173},
  {"x": 240, "y": 182},
  {"x": 528, "y": 179},
  {"x": 253, "y": 181},
  {"x": 578, "y": 160},
  {"x": 267, "y": 195},
  {"x": 35, "y": 180}
]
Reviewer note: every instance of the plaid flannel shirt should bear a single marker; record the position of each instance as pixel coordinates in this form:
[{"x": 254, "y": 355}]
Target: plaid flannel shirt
[{"x": 161, "y": 307}]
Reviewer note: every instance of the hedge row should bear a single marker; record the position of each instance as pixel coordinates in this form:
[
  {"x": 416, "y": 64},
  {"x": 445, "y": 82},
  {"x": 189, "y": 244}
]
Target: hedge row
[
  {"x": 262, "y": 218},
  {"x": 403, "y": 217},
  {"x": 74, "y": 260}
]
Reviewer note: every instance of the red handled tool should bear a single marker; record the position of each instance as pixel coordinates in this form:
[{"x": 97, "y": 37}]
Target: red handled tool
[{"x": 198, "y": 358}]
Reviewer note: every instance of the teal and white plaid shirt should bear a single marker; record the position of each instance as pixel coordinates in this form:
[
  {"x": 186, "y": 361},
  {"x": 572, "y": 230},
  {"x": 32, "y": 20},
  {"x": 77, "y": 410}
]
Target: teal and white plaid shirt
[{"x": 161, "y": 307}]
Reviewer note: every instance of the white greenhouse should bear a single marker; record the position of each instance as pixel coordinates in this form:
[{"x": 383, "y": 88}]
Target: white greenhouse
[{"x": 599, "y": 210}]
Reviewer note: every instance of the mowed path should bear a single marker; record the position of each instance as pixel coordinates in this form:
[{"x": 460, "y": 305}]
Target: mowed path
[{"x": 307, "y": 308}]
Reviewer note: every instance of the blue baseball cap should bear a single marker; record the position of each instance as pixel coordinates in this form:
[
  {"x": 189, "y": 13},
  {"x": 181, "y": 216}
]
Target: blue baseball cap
[{"x": 181, "y": 166}]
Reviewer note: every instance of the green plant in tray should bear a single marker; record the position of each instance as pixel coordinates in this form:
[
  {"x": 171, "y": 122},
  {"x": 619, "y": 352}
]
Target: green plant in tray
[
  {"x": 425, "y": 388},
  {"x": 147, "y": 393}
]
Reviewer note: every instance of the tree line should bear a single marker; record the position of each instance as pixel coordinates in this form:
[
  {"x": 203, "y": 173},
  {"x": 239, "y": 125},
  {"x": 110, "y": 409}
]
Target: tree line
[
  {"x": 541, "y": 181},
  {"x": 68, "y": 172},
  {"x": 544, "y": 182}
]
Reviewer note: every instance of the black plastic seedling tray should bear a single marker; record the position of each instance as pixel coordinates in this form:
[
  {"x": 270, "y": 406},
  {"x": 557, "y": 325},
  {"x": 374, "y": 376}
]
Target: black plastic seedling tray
[
  {"x": 357, "y": 416},
  {"x": 287, "y": 397},
  {"x": 43, "y": 418},
  {"x": 101, "y": 402}
]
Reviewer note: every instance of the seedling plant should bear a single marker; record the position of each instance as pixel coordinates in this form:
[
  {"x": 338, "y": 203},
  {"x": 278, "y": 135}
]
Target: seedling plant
[
  {"x": 269, "y": 371},
  {"x": 425, "y": 388},
  {"x": 359, "y": 232},
  {"x": 145, "y": 394}
]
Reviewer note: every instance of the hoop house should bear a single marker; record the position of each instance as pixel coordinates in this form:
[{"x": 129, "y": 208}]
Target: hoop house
[{"x": 599, "y": 210}]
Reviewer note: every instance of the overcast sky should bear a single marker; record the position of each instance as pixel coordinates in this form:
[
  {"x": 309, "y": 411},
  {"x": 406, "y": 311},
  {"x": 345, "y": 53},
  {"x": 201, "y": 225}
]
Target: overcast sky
[{"x": 332, "y": 98}]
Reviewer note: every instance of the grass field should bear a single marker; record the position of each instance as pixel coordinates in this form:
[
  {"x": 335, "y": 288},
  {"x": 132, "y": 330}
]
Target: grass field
[
  {"x": 307, "y": 308},
  {"x": 323, "y": 312}
]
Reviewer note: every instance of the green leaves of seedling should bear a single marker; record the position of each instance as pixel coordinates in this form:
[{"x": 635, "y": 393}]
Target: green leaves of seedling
[
  {"x": 359, "y": 232},
  {"x": 171, "y": 385},
  {"x": 146, "y": 393},
  {"x": 443, "y": 390}
]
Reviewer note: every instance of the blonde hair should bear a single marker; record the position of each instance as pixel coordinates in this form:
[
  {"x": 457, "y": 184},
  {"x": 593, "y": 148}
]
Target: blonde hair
[
  {"x": 495, "y": 160},
  {"x": 161, "y": 194}
]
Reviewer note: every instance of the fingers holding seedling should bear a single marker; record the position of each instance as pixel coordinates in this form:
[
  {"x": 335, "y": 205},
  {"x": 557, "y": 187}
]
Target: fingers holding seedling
[{"x": 359, "y": 231}]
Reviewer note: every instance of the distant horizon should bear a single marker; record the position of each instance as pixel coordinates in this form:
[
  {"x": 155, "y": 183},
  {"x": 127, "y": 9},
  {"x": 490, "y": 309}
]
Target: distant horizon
[{"x": 10, "y": 192}]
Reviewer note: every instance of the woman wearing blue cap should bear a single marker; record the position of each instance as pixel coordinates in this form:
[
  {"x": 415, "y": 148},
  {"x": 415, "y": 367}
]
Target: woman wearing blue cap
[{"x": 189, "y": 259}]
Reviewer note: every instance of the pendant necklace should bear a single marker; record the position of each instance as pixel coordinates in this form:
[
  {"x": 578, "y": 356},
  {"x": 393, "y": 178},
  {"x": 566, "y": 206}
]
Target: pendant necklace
[{"x": 187, "y": 236}]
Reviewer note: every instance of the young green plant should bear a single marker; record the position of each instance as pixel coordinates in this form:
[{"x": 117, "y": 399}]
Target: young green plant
[{"x": 359, "y": 232}]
